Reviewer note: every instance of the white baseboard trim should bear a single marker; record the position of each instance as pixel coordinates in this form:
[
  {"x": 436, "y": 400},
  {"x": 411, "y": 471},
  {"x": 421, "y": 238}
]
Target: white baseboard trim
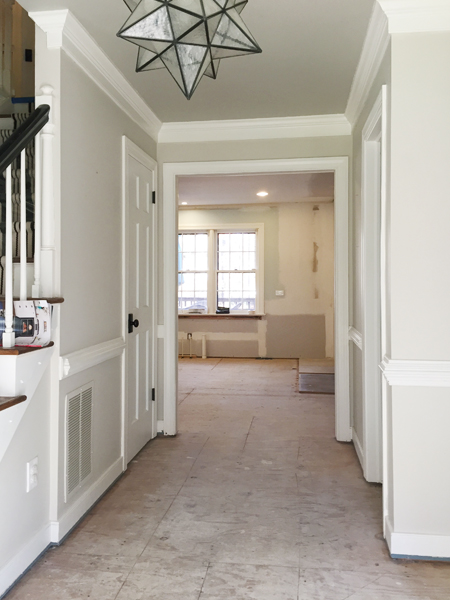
[
  {"x": 61, "y": 528},
  {"x": 160, "y": 426},
  {"x": 24, "y": 558},
  {"x": 358, "y": 447},
  {"x": 417, "y": 545}
]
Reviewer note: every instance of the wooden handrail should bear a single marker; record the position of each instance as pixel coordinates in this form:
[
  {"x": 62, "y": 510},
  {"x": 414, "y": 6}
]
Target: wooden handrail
[
  {"x": 22, "y": 136},
  {"x": 7, "y": 402}
]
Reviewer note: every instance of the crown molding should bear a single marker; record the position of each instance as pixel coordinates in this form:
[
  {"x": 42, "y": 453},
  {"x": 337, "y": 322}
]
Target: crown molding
[
  {"x": 413, "y": 16},
  {"x": 255, "y": 129},
  {"x": 424, "y": 373},
  {"x": 374, "y": 49},
  {"x": 64, "y": 31}
]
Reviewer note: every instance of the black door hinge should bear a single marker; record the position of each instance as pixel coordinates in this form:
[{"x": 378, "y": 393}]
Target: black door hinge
[
  {"x": 153, "y": 395},
  {"x": 153, "y": 197}
]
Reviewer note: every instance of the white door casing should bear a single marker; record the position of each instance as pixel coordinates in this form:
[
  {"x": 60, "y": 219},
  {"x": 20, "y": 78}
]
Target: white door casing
[
  {"x": 139, "y": 414},
  {"x": 339, "y": 166},
  {"x": 373, "y": 273}
]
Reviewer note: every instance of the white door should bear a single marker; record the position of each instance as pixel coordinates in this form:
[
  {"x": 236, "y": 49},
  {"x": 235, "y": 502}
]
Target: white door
[{"x": 140, "y": 317}]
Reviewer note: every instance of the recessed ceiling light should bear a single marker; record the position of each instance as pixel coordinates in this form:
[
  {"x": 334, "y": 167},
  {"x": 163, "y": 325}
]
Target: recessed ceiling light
[
  {"x": 184, "y": 203},
  {"x": 262, "y": 194}
]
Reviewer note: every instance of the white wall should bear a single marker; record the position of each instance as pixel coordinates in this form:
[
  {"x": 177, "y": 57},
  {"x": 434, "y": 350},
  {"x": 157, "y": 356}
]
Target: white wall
[{"x": 299, "y": 324}]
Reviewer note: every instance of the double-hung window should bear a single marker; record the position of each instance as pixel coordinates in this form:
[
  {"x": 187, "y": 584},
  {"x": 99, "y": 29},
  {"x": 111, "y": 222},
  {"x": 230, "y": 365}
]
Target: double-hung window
[{"x": 220, "y": 269}]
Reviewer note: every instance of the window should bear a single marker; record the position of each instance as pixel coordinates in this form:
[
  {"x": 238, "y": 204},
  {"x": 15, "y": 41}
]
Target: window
[
  {"x": 192, "y": 271},
  {"x": 221, "y": 268}
]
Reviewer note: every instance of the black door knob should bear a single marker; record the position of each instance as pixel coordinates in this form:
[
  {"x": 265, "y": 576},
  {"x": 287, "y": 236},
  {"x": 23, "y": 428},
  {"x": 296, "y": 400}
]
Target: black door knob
[{"x": 132, "y": 323}]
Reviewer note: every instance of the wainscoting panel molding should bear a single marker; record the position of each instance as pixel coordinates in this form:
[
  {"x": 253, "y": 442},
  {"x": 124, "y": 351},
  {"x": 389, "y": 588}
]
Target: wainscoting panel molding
[
  {"x": 355, "y": 337},
  {"x": 425, "y": 373},
  {"x": 79, "y": 361}
]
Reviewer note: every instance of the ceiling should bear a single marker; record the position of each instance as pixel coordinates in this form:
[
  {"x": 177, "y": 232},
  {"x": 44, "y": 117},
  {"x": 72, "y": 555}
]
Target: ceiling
[
  {"x": 310, "y": 53},
  {"x": 232, "y": 190}
]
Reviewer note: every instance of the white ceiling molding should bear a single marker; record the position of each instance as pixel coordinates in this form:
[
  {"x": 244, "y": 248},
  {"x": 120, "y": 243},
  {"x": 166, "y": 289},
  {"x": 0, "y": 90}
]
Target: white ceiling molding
[
  {"x": 64, "y": 31},
  {"x": 374, "y": 49},
  {"x": 424, "y": 373},
  {"x": 413, "y": 16},
  {"x": 255, "y": 129}
]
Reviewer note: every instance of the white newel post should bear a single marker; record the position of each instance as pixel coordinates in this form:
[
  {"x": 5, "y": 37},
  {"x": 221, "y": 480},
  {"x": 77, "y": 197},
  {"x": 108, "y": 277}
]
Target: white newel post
[
  {"x": 47, "y": 204},
  {"x": 36, "y": 288},
  {"x": 23, "y": 226},
  {"x": 8, "y": 336}
]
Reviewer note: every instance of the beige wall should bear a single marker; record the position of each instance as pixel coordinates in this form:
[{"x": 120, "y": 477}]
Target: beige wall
[
  {"x": 299, "y": 324},
  {"x": 91, "y": 182},
  {"x": 92, "y": 127},
  {"x": 419, "y": 280}
]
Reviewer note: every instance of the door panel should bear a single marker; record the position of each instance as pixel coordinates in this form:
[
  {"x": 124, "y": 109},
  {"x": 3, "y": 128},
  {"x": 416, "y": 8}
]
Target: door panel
[{"x": 141, "y": 421}]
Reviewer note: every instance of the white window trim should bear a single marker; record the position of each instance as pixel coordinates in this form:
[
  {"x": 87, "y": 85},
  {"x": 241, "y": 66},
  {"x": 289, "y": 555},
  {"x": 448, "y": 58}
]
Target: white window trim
[{"x": 213, "y": 229}]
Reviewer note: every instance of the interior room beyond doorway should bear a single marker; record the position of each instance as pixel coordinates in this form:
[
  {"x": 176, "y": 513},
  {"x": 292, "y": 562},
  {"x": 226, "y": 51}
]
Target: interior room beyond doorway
[{"x": 255, "y": 265}]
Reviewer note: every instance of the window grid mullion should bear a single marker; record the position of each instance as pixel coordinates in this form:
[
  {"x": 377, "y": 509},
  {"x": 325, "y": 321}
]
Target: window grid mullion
[{"x": 212, "y": 277}]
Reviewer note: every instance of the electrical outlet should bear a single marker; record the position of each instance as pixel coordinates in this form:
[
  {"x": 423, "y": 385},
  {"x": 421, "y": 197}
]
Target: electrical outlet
[
  {"x": 279, "y": 292},
  {"x": 189, "y": 336},
  {"x": 32, "y": 474}
]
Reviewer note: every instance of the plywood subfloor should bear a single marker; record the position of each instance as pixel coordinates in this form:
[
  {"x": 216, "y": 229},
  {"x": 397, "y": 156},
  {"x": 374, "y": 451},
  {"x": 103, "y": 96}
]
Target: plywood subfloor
[{"x": 253, "y": 500}]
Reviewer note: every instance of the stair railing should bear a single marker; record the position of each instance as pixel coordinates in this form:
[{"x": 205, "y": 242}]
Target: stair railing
[{"x": 14, "y": 147}]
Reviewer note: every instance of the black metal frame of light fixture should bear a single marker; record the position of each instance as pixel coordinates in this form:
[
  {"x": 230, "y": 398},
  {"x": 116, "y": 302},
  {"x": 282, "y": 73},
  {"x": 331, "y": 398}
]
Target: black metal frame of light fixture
[{"x": 151, "y": 58}]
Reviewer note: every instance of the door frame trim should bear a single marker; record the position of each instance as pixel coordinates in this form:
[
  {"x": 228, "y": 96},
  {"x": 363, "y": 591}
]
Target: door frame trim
[
  {"x": 373, "y": 273},
  {"x": 130, "y": 149},
  {"x": 340, "y": 166}
]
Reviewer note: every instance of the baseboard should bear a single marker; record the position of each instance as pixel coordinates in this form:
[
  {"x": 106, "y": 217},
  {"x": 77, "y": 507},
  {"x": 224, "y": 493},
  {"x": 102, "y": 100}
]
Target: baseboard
[
  {"x": 59, "y": 529},
  {"x": 358, "y": 447},
  {"x": 417, "y": 546},
  {"x": 22, "y": 561}
]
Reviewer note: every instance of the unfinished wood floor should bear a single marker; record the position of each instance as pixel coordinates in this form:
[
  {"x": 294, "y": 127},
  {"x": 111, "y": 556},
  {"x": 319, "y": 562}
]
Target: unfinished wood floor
[{"x": 254, "y": 500}]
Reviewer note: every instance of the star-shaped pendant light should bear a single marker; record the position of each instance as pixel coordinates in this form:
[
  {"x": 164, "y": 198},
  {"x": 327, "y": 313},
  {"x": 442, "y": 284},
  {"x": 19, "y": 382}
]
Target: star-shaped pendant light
[{"x": 188, "y": 37}]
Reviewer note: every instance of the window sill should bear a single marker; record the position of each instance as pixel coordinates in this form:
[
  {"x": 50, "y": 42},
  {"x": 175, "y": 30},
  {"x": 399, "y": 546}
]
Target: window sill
[{"x": 223, "y": 316}]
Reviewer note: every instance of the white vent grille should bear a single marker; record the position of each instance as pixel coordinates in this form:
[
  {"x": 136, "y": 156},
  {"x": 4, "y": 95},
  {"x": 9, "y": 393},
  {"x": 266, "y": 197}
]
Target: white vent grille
[{"x": 78, "y": 437}]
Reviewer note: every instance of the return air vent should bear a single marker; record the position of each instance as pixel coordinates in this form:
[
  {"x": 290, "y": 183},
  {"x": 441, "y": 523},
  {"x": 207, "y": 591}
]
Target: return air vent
[{"x": 78, "y": 437}]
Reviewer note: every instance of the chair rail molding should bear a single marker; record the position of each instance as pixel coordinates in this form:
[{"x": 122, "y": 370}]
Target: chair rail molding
[
  {"x": 79, "y": 361},
  {"x": 356, "y": 337},
  {"x": 421, "y": 373},
  {"x": 64, "y": 31}
]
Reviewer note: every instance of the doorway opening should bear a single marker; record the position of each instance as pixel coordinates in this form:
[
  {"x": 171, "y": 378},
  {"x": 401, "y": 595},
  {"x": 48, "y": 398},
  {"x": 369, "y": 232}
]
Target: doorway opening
[{"x": 173, "y": 174}]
